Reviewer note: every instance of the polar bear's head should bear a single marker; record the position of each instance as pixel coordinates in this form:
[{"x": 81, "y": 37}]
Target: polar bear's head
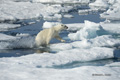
[{"x": 60, "y": 27}]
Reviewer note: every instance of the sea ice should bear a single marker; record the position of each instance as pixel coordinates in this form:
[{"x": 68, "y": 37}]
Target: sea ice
[
  {"x": 113, "y": 12},
  {"x": 100, "y": 41},
  {"x": 18, "y": 41},
  {"x": 115, "y": 64},
  {"x": 61, "y": 1},
  {"x": 24, "y": 10},
  {"x": 112, "y": 28},
  {"x": 21, "y": 71},
  {"x": 49, "y": 24},
  {"x": 68, "y": 16},
  {"x": 71, "y": 27},
  {"x": 64, "y": 57},
  {"x": 6, "y": 26},
  {"x": 87, "y": 32},
  {"x": 99, "y": 4}
]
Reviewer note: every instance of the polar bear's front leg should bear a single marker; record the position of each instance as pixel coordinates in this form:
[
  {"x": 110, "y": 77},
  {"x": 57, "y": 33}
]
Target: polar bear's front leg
[
  {"x": 59, "y": 38},
  {"x": 48, "y": 40}
]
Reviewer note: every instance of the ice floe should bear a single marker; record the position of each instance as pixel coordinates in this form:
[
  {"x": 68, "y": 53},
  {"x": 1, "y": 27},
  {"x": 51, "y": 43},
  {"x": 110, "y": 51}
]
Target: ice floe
[
  {"x": 111, "y": 27},
  {"x": 99, "y": 4},
  {"x": 64, "y": 57},
  {"x": 61, "y": 1},
  {"x": 26, "y": 72},
  {"x": 113, "y": 12},
  {"x": 115, "y": 64},
  {"x": 87, "y": 32},
  {"x": 90, "y": 30},
  {"x": 18, "y": 41},
  {"x": 6, "y": 26},
  {"x": 25, "y": 10},
  {"x": 100, "y": 41}
]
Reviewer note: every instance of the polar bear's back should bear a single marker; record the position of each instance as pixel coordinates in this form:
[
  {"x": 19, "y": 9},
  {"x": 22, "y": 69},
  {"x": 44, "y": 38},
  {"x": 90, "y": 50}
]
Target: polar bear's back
[{"x": 42, "y": 36}]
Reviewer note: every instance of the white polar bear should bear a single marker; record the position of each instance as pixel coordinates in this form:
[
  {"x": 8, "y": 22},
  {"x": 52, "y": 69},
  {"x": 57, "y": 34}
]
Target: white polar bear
[{"x": 43, "y": 37}]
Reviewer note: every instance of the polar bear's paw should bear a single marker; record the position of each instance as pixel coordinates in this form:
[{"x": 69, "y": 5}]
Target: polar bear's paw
[{"x": 63, "y": 41}]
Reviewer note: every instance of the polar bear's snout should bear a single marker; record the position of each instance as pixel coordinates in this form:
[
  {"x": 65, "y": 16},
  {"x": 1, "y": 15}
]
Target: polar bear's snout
[{"x": 66, "y": 27}]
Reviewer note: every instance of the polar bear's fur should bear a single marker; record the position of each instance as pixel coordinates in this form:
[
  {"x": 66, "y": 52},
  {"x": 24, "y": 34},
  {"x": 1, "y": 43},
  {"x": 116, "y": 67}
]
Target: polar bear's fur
[{"x": 43, "y": 37}]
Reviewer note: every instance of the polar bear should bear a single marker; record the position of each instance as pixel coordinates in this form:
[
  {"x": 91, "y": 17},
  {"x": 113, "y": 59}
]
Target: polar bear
[{"x": 44, "y": 37}]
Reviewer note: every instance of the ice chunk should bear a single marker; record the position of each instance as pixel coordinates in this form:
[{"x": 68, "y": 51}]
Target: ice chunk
[
  {"x": 106, "y": 40},
  {"x": 49, "y": 24},
  {"x": 61, "y": 1},
  {"x": 6, "y": 26},
  {"x": 112, "y": 28},
  {"x": 87, "y": 32},
  {"x": 68, "y": 16},
  {"x": 19, "y": 41},
  {"x": 88, "y": 11},
  {"x": 100, "y": 41},
  {"x": 6, "y": 37},
  {"x": 99, "y": 4},
  {"x": 22, "y": 35},
  {"x": 113, "y": 12}
]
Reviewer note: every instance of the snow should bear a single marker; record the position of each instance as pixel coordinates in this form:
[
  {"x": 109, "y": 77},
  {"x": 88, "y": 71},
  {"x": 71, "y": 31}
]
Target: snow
[
  {"x": 56, "y": 74},
  {"x": 109, "y": 27},
  {"x": 6, "y": 26},
  {"x": 63, "y": 57},
  {"x": 87, "y": 32},
  {"x": 24, "y": 10},
  {"x": 115, "y": 64},
  {"x": 99, "y": 4},
  {"x": 75, "y": 26},
  {"x": 18, "y": 41},
  {"x": 11, "y": 10},
  {"x": 100, "y": 41},
  {"x": 6, "y": 37},
  {"x": 62, "y": 1},
  {"x": 113, "y": 12},
  {"x": 68, "y": 16},
  {"x": 30, "y": 67},
  {"x": 49, "y": 24}
]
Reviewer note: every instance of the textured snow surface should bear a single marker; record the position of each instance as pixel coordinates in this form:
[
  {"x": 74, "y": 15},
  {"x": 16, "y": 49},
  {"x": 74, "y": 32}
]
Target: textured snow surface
[
  {"x": 6, "y": 27},
  {"x": 100, "y": 4},
  {"x": 62, "y": 1},
  {"x": 113, "y": 12},
  {"x": 25, "y": 10},
  {"x": 29, "y": 67}
]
